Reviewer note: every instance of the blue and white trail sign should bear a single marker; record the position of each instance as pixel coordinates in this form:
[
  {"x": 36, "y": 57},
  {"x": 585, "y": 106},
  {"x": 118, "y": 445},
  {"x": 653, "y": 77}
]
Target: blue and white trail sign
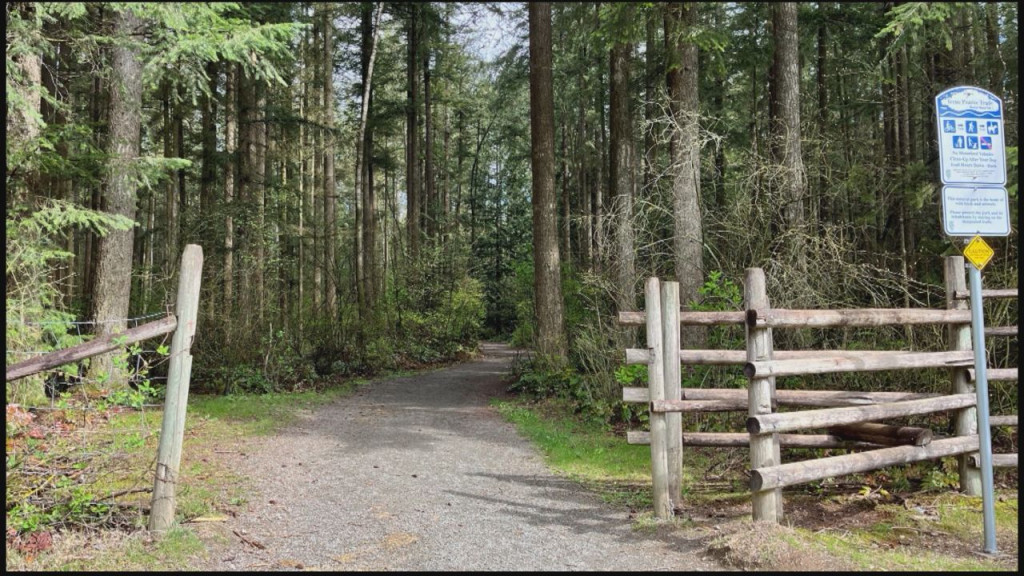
[
  {"x": 971, "y": 147},
  {"x": 970, "y": 125}
]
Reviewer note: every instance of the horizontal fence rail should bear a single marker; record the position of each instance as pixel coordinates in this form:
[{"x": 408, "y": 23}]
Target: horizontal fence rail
[
  {"x": 1003, "y": 293},
  {"x": 686, "y": 318},
  {"x": 783, "y": 318},
  {"x": 739, "y": 357},
  {"x": 99, "y": 345},
  {"x": 1008, "y": 420},
  {"x": 997, "y": 374},
  {"x": 789, "y": 421},
  {"x": 771, "y": 477},
  {"x": 998, "y": 460},
  {"x": 823, "y": 398},
  {"x": 769, "y": 368}
]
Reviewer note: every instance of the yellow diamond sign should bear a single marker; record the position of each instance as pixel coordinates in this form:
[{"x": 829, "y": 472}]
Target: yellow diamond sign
[{"x": 978, "y": 252}]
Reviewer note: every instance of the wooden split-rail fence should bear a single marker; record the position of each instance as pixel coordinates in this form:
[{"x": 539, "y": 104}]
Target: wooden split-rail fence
[
  {"x": 851, "y": 418},
  {"x": 172, "y": 429}
]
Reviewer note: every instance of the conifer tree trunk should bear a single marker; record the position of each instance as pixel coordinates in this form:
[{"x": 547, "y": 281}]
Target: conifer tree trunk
[
  {"x": 651, "y": 74},
  {"x": 550, "y": 337},
  {"x": 112, "y": 286},
  {"x": 179, "y": 152},
  {"x": 622, "y": 174},
  {"x": 824, "y": 213},
  {"x": 97, "y": 115},
  {"x": 303, "y": 184},
  {"x": 786, "y": 117},
  {"x": 316, "y": 140},
  {"x": 996, "y": 67},
  {"x": 259, "y": 149},
  {"x": 601, "y": 172},
  {"x": 364, "y": 156},
  {"x": 230, "y": 146},
  {"x": 329, "y": 192},
  {"x": 208, "y": 174},
  {"x": 445, "y": 176},
  {"x": 565, "y": 250},
  {"x": 170, "y": 222},
  {"x": 246, "y": 174},
  {"x": 412, "y": 134},
  {"x": 430, "y": 193},
  {"x": 688, "y": 241},
  {"x": 586, "y": 230}
]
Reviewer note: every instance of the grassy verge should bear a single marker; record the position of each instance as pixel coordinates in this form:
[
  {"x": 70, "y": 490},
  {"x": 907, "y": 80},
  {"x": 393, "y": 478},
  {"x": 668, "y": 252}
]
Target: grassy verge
[
  {"x": 80, "y": 478},
  {"x": 829, "y": 526}
]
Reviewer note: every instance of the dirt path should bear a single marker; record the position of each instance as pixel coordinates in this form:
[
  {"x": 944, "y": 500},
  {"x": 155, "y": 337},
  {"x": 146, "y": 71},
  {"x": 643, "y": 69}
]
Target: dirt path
[{"x": 419, "y": 473}]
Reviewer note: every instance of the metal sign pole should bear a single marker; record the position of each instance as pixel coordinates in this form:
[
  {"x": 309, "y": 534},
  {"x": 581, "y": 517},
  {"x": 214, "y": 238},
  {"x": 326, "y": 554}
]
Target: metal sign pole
[
  {"x": 972, "y": 166},
  {"x": 984, "y": 431}
]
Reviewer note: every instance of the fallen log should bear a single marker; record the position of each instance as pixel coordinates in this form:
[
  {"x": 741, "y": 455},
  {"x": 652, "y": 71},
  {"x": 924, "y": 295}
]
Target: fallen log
[
  {"x": 742, "y": 440},
  {"x": 883, "y": 434}
]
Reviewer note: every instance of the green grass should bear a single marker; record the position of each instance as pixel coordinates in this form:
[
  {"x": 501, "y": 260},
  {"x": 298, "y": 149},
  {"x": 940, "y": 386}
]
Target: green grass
[
  {"x": 258, "y": 415},
  {"x": 580, "y": 448},
  {"x": 899, "y": 540},
  {"x": 584, "y": 451}
]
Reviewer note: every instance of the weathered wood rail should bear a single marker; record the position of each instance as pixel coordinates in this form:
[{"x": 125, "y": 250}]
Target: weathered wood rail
[
  {"x": 94, "y": 347},
  {"x": 850, "y": 418}
]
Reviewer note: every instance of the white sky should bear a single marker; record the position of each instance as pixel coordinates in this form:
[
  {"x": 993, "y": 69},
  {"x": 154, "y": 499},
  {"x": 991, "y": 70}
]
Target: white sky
[{"x": 486, "y": 33}]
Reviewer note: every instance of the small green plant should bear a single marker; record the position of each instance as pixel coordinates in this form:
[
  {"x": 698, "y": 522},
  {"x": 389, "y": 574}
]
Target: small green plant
[
  {"x": 82, "y": 507},
  {"x": 633, "y": 375},
  {"x": 941, "y": 477},
  {"x": 27, "y": 517},
  {"x": 719, "y": 293}
]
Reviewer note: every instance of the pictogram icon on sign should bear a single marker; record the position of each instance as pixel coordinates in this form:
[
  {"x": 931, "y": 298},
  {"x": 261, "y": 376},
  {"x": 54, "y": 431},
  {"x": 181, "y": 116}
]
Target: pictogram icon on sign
[{"x": 978, "y": 252}]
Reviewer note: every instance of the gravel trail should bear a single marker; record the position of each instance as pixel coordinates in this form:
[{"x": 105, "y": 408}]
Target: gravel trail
[{"x": 419, "y": 473}]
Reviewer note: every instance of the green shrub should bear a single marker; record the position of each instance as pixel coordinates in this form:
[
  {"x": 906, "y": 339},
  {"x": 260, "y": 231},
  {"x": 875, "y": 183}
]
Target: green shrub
[{"x": 37, "y": 319}]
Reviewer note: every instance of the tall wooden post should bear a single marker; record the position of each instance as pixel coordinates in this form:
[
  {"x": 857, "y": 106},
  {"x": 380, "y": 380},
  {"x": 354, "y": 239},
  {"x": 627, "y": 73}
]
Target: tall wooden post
[
  {"x": 764, "y": 448},
  {"x": 959, "y": 338},
  {"x": 656, "y": 389},
  {"x": 172, "y": 429},
  {"x": 673, "y": 386}
]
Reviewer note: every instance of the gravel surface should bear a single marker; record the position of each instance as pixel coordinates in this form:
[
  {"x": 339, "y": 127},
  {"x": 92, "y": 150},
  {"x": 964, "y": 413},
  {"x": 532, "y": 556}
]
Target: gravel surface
[{"x": 419, "y": 473}]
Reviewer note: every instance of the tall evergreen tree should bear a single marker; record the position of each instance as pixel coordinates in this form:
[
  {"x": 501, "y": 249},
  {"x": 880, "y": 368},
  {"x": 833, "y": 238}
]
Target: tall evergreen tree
[
  {"x": 112, "y": 281},
  {"x": 547, "y": 287}
]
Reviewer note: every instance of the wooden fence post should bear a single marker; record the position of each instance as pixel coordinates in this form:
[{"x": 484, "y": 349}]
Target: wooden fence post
[
  {"x": 673, "y": 386},
  {"x": 764, "y": 448},
  {"x": 656, "y": 388},
  {"x": 959, "y": 338},
  {"x": 172, "y": 428}
]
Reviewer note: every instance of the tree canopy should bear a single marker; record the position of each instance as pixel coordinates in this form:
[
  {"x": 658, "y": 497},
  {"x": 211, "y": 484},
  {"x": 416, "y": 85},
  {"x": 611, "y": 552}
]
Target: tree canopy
[{"x": 364, "y": 178}]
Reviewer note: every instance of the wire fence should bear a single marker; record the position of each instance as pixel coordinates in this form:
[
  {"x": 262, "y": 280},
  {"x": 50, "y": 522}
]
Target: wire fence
[
  {"x": 136, "y": 320},
  {"x": 140, "y": 361}
]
